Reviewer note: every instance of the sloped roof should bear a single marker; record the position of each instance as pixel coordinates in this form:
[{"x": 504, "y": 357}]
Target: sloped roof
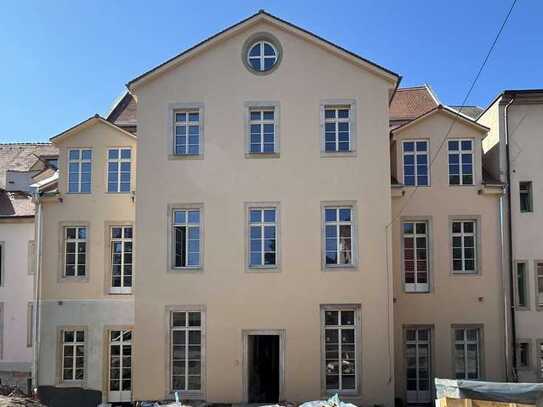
[
  {"x": 21, "y": 157},
  {"x": 472, "y": 111},
  {"x": 91, "y": 121},
  {"x": 16, "y": 204},
  {"x": 123, "y": 112},
  {"x": 409, "y": 103},
  {"x": 264, "y": 16}
]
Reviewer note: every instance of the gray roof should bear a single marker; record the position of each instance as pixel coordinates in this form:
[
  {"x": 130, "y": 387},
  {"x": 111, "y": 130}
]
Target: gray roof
[
  {"x": 472, "y": 111},
  {"x": 22, "y": 156}
]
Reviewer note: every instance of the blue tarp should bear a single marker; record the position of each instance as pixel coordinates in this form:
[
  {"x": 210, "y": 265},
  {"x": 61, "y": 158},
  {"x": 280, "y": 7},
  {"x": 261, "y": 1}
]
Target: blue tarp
[{"x": 523, "y": 393}]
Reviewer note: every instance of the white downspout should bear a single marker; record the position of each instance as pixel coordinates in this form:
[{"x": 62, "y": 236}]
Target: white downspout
[{"x": 37, "y": 292}]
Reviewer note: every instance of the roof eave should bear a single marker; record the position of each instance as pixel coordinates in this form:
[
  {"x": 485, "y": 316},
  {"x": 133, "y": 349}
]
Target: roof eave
[{"x": 85, "y": 124}]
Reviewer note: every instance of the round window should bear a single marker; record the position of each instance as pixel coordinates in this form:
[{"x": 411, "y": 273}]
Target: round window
[{"x": 262, "y": 56}]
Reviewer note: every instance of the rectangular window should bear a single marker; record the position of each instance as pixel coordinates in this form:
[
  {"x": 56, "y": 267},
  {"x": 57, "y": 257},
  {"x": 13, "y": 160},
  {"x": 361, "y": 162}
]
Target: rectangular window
[
  {"x": 73, "y": 355},
  {"x": 2, "y": 261},
  {"x": 521, "y": 285},
  {"x": 525, "y": 192},
  {"x": 464, "y": 235},
  {"x": 187, "y": 127},
  {"x": 415, "y": 163},
  {"x": 340, "y": 348},
  {"x": 118, "y": 169},
  {"x": 75, "y": 248},
  {"x": 186, "y": 350},
  {"x": 262, "y": 237},
  {"x": 337, "y": 129},
  {"x": 79, "y": 170},
  {"x": 262, "y": 130},
  {"x": 540, "y": 358},
  {"x": 415, "y": 256},
  {"x": 29, "y": 324},
  {"x": 338, "y": 235},
  {"x": 121, "y": 259},
  {"x": 539, "y": 283},
  {"x": 523, "y": 355},
  {"x": 460, "y": 162},
  {"x": 467, "y": 353},
  {"x": 186, "y": 231}
]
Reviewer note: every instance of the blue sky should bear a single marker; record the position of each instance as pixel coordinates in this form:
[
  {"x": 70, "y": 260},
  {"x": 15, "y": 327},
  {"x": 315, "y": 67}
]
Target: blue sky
[{"x": 62, "y": 61}]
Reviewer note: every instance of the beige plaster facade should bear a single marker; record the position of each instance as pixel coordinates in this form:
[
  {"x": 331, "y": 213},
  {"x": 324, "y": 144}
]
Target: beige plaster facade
[
  {"x": 517, "y": 117},
  {"x": 85, "y": 301},
  {"x": 300, "y": 177},
  {"x": 450, "y": 299}
]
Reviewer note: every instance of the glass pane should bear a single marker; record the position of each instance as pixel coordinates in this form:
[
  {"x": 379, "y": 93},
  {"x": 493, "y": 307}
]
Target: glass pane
[{"x": 331, "y": 317}]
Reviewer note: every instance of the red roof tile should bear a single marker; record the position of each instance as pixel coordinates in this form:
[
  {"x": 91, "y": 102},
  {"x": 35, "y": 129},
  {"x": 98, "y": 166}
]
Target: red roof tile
[{"x": 409, "y": 103}]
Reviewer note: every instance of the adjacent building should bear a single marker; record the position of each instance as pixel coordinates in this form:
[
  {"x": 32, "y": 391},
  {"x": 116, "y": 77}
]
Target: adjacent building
[
  {"x": 513, "y": 156},
  {"x": 448, "y": 290},
  {"x": 19, "y": 163}
]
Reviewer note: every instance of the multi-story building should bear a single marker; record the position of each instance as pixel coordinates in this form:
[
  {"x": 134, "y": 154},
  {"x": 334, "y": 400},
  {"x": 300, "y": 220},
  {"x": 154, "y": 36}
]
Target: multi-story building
[
  {"x": 448, "y": 291},
  {"x": 86, "y": 304},
  {"x": 298, "y": 227},
  {"x": 19, "y": 163},
  {"x": 261, "y": 255},
  {"x": 513, "y": 156}
]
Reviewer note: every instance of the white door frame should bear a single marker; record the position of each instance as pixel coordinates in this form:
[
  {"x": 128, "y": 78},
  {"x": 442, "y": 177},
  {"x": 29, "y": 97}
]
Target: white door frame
[
  {"x": 281, "y": 333},
  {"x": 428, "y": 394},
  {"x": 119, "y": 395}
]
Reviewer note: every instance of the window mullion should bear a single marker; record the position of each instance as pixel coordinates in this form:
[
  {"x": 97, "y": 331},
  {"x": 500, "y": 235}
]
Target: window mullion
[
  {"x": 340, "y": 358},
  {"x": 338, "y": 242},
  {"x": 262, "y": 243},
  {"x": 261, "y": 135}
]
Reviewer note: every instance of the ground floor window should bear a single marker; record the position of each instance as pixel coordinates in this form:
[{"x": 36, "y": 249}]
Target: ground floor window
[
  {"x": 467, "y": 353},
  {"x": 73, "y": 355},
  {"x": 186, "y": 329},
  {"x": 341, "y": 365},
  {"x": 120, "y": 365}
]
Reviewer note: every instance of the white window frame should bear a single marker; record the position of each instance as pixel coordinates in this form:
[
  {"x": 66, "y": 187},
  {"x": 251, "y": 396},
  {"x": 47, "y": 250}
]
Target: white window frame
[
  {"x": 462, "y": 235},
  {"x": 460, "y": 152},
  {"x": 518, "y": 350},
  {"x": 187, "y": 109},
  {"x": 524, "y": 289},
  {"x": 465, "y": 342},
  {"x": 416, "y": 287},
  {"x": 529, "y": 191},
  {"x": 122, "y": 289},
  {"x": 262, "y": 225},
  {"x": 79, "y": 161},
  {"x": 415, "y": 154},
  {"x": 188, "y": 225},
  {"x": 170, "y": 310},
  {"x": 77, "y": 241},
  {"x": 352, "y": 223},
  {"x": 114, "y": 396},
  {"x": 539, "y": 353},
  {"x": 118, "y": 164},
  {"x": 262, "y": 57},
  {"x": 357, "y": 351},
  {"x": 74, "y": 344},
  {"x": 538, "y": 275},
  {"x": 2, "y": 264},
  {"x": 338, "y": 104}
]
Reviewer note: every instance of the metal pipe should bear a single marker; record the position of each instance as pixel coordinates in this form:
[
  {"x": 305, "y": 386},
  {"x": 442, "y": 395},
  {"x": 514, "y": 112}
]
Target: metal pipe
[
  {"x": 37, "y": 291},
  {"x": 510, "y": 242}
]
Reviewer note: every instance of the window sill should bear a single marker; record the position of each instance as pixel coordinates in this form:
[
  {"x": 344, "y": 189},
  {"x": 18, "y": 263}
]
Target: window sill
[
  {"x": 329, "y": 154},
  {"x": 120, "y": 291},
  {"x": 340, "y": 267},
  {"x": 262, "y": 155},
  {"x": 262, "y": 269},
  {"x": 348, "y": 394},
  {"x": 78, "y": 193},
  {"x": 185, "y": 157},
  {"x": 188, "y": 270},
  {"x": 466, "y": 273},
  {"x": 72, "y": 383},
  {"x": 74, "y": 279}
]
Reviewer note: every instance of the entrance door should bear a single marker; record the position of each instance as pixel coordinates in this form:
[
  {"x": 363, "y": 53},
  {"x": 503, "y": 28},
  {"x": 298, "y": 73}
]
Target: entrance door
[
  {"x": 263, "y": 368},
  {"x": 120, "y": 366},
  {"x": 418, "y": 352}
]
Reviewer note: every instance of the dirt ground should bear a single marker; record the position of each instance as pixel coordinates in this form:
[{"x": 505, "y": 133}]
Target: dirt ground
[{"x": 17, "y": 401}]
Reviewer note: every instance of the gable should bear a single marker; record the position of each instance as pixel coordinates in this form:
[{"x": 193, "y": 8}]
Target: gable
[
  {"x": 88, "y": 124},
  {"x": 263, "y": 17}
]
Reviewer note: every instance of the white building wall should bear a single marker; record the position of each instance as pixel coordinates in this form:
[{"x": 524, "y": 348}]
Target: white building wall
[
  {"x": 16, "y": 292},
  {"x": 95, "y": 316}
]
